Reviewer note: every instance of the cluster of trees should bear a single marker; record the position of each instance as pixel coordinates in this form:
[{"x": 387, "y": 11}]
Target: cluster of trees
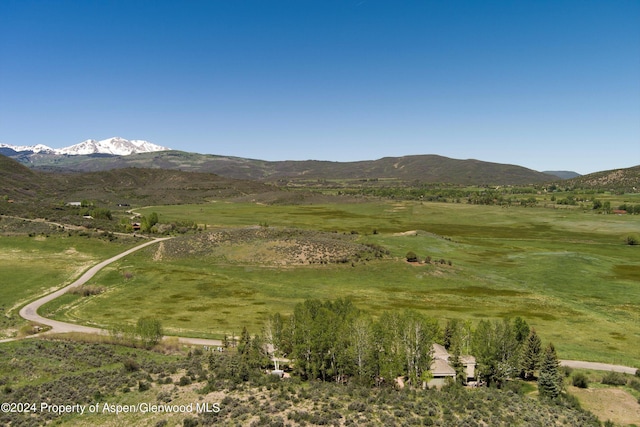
[
  {"x": 151, "y": 224},
  {"x": 413, "y": 257},
  {"x": 97, "y": 213},
  {"x": 148, "y": 222},
  {"x": 506, "y": 350},
  {"x": 631, "y": 209},
  {"x": 484, "y": 196},
  {"x": 88, "y": 208},
  {"x": 601, "y": 206},
  {"x": 335, "y": 341}
]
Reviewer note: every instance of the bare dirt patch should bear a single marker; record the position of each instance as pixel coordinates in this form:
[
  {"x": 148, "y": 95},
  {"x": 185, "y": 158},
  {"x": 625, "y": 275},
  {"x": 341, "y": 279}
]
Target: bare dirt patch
[
  {"x": 407, "y": 233},
  {"x": 159, "y": 254},
  {"x": 612, "y": 404}
]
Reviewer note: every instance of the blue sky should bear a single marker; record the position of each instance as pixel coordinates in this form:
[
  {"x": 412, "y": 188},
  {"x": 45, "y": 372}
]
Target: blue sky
[{"x": 543, "y": 84}]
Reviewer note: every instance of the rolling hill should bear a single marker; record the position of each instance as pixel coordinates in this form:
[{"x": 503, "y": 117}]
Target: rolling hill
[
  {"x": 423, "y": 168},
  {"x": 136, "y": 185},
  {"x": 621, "y": 180}
]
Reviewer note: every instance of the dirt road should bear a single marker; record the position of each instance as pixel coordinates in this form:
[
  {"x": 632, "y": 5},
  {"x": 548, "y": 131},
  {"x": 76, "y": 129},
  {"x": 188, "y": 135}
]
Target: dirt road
[
  {"x": 30, "y": 311},
  {"x": 597, "y": 366}
]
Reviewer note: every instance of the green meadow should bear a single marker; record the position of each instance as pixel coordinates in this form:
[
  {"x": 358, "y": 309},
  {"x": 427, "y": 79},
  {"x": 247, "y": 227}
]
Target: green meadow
[
  {"x": 37, "y": 265},
  {"x": 566, "y": 271}
]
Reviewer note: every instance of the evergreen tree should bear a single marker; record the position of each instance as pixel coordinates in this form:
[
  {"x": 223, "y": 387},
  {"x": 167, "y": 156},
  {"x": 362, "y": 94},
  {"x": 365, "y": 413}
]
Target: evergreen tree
[
  {"x": 245, "y": 341},
  {"x": 550, "y": 379},
  {"x": 530, "y": 357},
  {"x": 521, "y": 328},
  {"x": 451, "y": 333}
]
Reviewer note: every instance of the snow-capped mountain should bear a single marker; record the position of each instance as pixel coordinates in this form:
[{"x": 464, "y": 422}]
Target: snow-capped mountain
[
  {"x": 116, "y": 146},
  {"x": 38, "y": 148}
]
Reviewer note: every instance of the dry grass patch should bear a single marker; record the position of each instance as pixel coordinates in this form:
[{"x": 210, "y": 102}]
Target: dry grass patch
[{"x": 609, "y": 403}]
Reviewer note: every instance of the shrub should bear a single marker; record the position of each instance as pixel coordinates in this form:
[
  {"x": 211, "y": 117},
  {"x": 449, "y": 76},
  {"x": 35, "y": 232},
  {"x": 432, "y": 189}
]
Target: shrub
[
  {"x": 412, "y": 257},
  {"x": 570, "y": 401},
  {"x": 357, "y": 406},
  {"x": 580, "y": 380},
  {"x": 184, "y": 380},
  {"x": 131, "y": 365},
  {"x": 190, "y": 422},
  {"x": 164, "y": 396},
  {"x": 566, "y": 371},
  {"x": 614, "y": 378}
]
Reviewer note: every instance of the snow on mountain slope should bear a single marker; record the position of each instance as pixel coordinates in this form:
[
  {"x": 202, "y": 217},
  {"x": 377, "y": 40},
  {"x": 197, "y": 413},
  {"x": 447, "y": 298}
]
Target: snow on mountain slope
[
  {"x": 38, "y": 148},
  {"x": 116, "y": 146}
]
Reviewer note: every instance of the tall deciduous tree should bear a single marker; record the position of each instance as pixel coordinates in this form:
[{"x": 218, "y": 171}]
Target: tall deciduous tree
[
  {"x": 418, "y": 335},
  {"x": 496, "y": 348},
  {"x": 389, "y": 357},
  {"x": 149, "y": 330},
  {"x": 361, "y": 346}
]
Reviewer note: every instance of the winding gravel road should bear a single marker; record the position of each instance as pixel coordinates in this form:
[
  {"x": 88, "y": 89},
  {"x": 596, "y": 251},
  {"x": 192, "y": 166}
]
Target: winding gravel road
[{"x": 30, "y": 312}]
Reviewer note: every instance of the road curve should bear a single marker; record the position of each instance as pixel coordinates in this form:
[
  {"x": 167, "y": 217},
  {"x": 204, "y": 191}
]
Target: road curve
[{"x": 30, "y": 312}]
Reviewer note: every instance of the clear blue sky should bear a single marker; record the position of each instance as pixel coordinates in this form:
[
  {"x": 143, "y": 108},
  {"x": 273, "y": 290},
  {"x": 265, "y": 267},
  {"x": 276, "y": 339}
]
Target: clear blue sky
[{"x": 542, "y": 84}]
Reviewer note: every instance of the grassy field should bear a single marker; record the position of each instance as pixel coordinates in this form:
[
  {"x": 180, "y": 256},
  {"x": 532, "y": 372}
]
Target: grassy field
[
  {"x": 566, "y": 271},
  {"x": 37, "y": 265}
]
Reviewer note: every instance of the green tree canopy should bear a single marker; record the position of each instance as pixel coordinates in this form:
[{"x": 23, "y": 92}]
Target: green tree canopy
[{"x": 550, "y": 379}]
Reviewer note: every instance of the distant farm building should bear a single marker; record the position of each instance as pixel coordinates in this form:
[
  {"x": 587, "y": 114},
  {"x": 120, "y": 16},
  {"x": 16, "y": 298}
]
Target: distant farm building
[{"x": 78, "y": 204}]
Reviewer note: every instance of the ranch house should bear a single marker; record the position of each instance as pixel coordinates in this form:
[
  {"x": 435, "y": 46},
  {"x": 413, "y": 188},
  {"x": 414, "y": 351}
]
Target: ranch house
[{"x": 441, "y": 369}]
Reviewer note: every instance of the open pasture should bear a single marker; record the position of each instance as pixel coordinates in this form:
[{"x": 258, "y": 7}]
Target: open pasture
[
  {"x": 566, "y": 271},
  {"x": 37, "y": 265}
]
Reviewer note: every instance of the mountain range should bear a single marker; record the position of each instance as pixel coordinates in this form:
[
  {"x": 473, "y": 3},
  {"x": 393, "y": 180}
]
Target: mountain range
[
  {"x": 114, "y": 146},
  {"x": 118, "y": 153}
]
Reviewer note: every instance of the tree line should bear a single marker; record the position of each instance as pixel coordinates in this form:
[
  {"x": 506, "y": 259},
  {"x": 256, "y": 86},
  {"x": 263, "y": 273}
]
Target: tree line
[{"x": 335, "y": 341}]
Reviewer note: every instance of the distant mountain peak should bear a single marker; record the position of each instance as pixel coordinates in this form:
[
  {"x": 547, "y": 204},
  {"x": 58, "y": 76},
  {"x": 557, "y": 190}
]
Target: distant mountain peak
[
  {"x": 38, "y": 148},
  {"x": 116, "y": 146}
]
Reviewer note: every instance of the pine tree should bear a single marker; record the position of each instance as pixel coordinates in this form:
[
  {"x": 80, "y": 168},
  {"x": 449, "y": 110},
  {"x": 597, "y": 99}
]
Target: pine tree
[
  {"x": 530, "y": 357},
  {"x": 550, "y": 380}
]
